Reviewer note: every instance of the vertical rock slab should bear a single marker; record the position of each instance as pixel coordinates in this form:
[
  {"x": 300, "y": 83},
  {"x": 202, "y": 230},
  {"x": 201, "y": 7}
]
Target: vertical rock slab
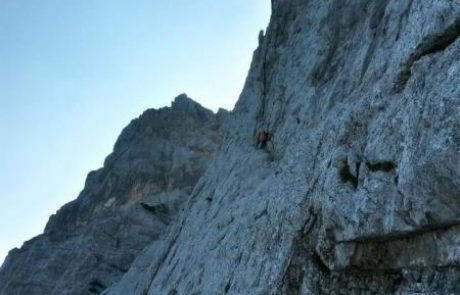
[{"x": 357, "y": 193}]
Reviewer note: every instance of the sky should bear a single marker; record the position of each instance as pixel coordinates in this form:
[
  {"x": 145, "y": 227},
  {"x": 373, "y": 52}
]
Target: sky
[{"x": 73, "y": 73}]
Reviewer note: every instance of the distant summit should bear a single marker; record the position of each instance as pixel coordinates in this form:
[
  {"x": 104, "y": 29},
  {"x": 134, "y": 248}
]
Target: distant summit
[{"x": 130, "y": 202}]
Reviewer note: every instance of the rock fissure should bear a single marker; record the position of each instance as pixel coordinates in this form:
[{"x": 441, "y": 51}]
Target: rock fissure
[
  {"x": 384, "y": 166},
  {"x": 384, "y": 238},
  {"x": 346, "y": 176},
  {"x": 430, "y": 45}
]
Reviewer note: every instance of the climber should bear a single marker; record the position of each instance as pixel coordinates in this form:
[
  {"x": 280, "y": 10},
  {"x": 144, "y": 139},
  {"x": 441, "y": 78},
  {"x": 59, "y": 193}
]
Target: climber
[{"x": 263, "y": 138}]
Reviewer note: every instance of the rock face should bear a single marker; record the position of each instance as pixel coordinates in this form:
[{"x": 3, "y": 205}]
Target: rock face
[
  {"x": 358, "y": 192},
  {"x": 124, "y": 206}
]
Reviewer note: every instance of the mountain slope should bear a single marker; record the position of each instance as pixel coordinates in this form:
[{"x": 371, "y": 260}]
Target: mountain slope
[
  {"x": 358, "y": 190},
  {"x": 124, "y": 206}
]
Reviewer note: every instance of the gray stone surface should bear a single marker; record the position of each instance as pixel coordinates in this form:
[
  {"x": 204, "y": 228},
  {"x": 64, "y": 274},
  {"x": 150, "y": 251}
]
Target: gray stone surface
[
  {"x": 130, "y": 202},
  {"x": 359, "y": 190}
]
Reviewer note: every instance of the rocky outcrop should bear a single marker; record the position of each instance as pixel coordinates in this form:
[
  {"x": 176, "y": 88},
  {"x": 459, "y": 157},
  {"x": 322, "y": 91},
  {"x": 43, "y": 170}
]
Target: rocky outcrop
[
  {"x": 357, "y": 192},
  {"x": 130, "y": 202}
]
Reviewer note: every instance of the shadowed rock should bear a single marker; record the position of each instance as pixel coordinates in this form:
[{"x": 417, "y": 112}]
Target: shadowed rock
[
  {"x": 130, "y": 202},
  {"x": 358, "y": 191}
]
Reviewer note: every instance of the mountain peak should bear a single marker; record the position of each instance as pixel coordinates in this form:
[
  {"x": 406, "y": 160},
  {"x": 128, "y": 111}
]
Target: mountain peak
[{"x": 183, "y": 101}]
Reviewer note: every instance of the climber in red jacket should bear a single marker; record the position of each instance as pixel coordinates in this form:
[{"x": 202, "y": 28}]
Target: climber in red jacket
[{"x": 263, "y": 138}]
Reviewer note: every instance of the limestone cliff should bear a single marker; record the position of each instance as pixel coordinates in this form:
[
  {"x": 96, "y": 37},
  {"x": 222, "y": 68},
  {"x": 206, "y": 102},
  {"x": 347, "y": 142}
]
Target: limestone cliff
[
  {"x": 124, "y": 206},
  {"x": 358, "y": 192}
]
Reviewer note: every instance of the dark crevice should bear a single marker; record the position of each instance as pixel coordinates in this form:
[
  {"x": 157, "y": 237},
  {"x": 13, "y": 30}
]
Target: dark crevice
[
  {"x": 311, "y": 222},
  {"x": 346, "y": 176},
  {"x": 96, "y": 286},
  {"x": 430, "y": 45},
  {"x": 261, "y": 214},
  {"x": 149, "y": 208},
  {"x": 158, "y": 209},
  {"x": 385, "y": 166},
  {"x": 383, "y": 252},
  {"x": 441, "y": 226},
  {"x": 227, "y": 287},
  {"x": 264, "y": 69},
  {"x": 322, "y": 267}
]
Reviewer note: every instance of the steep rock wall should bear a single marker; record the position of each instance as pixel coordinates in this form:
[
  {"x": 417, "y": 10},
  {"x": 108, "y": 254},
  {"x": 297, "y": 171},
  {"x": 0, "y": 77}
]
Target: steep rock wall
[{"x": 358, "y": 192}]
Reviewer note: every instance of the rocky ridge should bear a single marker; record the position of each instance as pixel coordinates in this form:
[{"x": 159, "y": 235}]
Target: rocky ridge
[
  {"x": 357, "y": 193},
  {"x": 130, "y": 202}
]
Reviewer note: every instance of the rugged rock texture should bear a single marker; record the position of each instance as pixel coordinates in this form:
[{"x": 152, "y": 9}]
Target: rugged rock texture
[
  {"x": 359, "y": 190},
  {"x": 124, "y": 206}
]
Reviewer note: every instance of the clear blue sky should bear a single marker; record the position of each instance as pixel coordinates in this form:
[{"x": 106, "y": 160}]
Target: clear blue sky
[{"x": 74, "y": 73}]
